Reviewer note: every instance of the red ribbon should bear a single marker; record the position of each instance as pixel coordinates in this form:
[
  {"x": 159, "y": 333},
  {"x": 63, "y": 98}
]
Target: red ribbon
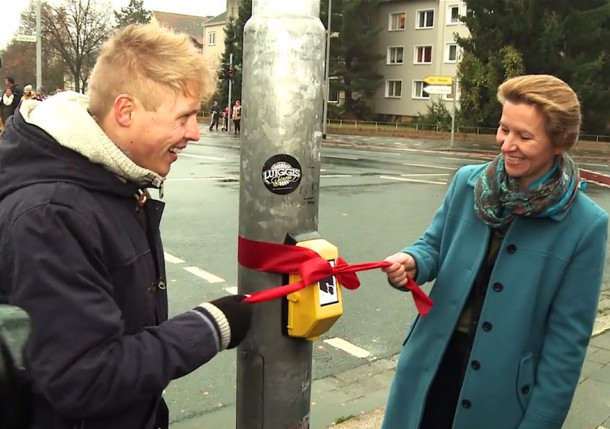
[{"x": 284, "y": 258}]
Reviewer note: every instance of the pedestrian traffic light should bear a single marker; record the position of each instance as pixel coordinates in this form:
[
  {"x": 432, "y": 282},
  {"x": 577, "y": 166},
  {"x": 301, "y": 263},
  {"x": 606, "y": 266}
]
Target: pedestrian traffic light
[
  {"x": 310, "y": 312},
  {"x": 230, "y": 72}
]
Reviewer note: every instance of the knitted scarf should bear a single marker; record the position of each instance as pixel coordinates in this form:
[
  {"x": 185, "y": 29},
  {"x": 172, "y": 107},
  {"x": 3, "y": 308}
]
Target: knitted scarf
[
  {"x": 497, "y": 198},
  {"x": 8, "y": 100}
]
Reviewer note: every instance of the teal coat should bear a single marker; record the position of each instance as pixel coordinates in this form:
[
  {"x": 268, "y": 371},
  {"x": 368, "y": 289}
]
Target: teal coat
[{"x": 535, "y": 323}]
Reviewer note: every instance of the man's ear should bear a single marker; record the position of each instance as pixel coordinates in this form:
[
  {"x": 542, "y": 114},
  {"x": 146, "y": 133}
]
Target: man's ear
[{"x": 123, "y": 108}]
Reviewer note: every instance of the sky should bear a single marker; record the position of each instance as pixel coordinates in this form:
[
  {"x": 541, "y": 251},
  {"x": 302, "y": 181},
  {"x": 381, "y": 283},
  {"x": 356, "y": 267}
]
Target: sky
[{"x": 11, "y": 15}]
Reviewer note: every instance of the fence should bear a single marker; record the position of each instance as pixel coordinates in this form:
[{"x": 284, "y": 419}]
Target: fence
[{"x": 398, "y": 127}]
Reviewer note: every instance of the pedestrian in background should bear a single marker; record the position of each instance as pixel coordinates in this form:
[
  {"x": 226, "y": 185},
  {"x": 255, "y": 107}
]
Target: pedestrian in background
[
  {"x": 81, "y": 246},
  {"x": 237, "y": 117},
  {"x": 517, "y": 254},
  {"x": 7, "y": 106},
  {"x": 215, "y": 116},
  {"x": 225, "y": 119}
]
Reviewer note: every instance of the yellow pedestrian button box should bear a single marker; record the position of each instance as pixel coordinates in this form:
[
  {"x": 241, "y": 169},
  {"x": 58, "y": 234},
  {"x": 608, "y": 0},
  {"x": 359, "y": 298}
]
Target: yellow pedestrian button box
[{"x": 314, "y": 309}]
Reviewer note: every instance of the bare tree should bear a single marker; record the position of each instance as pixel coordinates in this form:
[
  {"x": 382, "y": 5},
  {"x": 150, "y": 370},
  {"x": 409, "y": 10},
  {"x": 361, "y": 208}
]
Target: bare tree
[{"x": 75, "y": 30}]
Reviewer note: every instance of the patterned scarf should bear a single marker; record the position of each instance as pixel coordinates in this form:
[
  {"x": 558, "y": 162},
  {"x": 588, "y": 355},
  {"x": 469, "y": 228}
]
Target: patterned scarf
[{"x": 497, "y": 198}]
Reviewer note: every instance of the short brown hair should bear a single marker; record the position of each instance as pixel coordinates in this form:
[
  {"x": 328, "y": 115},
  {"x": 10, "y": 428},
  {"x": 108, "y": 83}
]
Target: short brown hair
[
  {"x": 557, "y": 102},
  {"x": 142, "y": 60}
]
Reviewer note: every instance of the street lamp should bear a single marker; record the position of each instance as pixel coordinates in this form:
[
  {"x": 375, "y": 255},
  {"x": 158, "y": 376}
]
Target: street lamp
[{"x": 327, "y": 69}]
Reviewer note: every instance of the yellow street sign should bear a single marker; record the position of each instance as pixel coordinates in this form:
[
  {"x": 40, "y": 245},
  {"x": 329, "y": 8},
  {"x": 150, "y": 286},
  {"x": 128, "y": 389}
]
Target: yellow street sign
[{"x": 439, "y": 80}]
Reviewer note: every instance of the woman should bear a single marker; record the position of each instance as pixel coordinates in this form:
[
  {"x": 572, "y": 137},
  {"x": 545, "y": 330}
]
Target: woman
[
  {"x": 517, "y": 253},
  {"x": 7, "y": 107},
  {"x": 237, "y": 117}
]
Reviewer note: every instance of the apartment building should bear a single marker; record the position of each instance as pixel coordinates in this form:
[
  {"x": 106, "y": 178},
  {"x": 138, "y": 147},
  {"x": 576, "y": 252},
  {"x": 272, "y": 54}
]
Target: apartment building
[
  {"x": 417, "y": 40},
  {"x": 214, "y": 34}
]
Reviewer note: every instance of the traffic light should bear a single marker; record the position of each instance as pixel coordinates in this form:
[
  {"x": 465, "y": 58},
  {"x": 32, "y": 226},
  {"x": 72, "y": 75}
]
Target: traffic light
[{"x": 230, "y": 72}]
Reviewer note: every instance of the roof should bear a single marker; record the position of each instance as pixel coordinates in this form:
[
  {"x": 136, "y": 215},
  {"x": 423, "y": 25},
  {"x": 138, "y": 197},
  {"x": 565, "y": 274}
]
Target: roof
[
  {"x": 217, "y": 20},
  {"x": 189, "y": 24}
]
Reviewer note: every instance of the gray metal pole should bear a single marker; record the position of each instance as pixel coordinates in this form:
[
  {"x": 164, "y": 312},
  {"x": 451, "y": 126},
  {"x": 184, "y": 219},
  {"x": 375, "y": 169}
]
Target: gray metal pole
[
  {"x": 38, "y": 45},
  {"x": 283, "y": 78},
  {"x": 454, "y": 89},
  {"x": 230, "y": 87},
  {"x": 327, "y": 68}
]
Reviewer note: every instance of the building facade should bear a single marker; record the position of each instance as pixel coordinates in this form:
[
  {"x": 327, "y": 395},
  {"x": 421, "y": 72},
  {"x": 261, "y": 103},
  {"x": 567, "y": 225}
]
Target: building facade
[
  {"x": 417, "y": 40},
  {"x": 214, "y": 34}
]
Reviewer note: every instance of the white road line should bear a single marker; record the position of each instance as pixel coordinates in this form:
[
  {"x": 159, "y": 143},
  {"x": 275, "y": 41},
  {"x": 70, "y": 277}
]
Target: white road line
[
  {"x": 429, "y": 166},
  {"x": 187, "y": 179},
  {"x": 347, "y": 347},
  {"x": 351, "y": 158},
  {"x": 231, "y": 290},
  {"x": 459, "y": 159},
  {"x": 594, "y": 165},
  {"x": 211, "y": 158},
  {"x": 172, "y": 259},
  {"x": 204, "y": 274},
  {"x": 404, "y": 179},
  {"x": 334, "y": 176},
  {"x": 425, "y": 174}
]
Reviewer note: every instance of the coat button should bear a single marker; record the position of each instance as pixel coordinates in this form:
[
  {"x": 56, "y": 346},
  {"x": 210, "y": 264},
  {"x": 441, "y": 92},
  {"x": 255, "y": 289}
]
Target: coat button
[
  {"x": 466, "y": 403},
  {"x": 525, "y": 389},
  {"x": 498, "y": 287},
  {"x": 511, "y": 248},
  {"x": 487, "y": 326},
  {"x": 475, "y": 364}
]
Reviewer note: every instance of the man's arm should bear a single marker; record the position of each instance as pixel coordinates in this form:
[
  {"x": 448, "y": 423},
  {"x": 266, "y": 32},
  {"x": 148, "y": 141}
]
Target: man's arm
[{"x": 78, "y": 353}]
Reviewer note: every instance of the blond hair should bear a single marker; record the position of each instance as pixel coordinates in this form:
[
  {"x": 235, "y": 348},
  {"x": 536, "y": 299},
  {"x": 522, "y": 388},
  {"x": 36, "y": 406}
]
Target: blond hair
[
  {"x": 143, "y": 61},
  {"x": 554, "y": 98}
]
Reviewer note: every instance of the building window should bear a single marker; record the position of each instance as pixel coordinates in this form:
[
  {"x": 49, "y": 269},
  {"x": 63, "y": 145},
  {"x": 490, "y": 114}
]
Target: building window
[
  {"x": 423, "y": 55},
  {"x": 395, "y": 55},
  {"x": 453, "y": 14},
  {"x": 451, "y": 52},
  {"x": 418, "y": 89},
  {"x": 211, "y": 38},
  {"x": 333, "y": 90},
  {"x": 393, "y": 88},
  {"x": 425, "y": 19},
  {"x": 397, "y": 21}
]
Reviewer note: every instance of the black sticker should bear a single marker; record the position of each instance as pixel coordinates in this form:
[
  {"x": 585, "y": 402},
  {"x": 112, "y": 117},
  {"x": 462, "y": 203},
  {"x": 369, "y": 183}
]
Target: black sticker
[{"x": 282, "y": 174}]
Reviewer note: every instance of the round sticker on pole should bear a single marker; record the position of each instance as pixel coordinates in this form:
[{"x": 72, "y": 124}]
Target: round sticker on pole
[{"x": 282, "y": 174}]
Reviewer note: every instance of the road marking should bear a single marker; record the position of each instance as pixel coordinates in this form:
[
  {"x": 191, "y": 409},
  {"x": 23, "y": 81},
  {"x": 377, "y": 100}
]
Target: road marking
[
  {"x": 347, "y": 347},
  {"x": 231, "y": 290},
  {"x": 425, "y": 174},
  {"x": 404, "y": 179},
  {"x": 172, "y": 259},
  {"x": 187, "y": 179},
  {"x": 211, "y": 158},
  {"x": 204, "y": 274},
  {"x": 458, "y": 159},
  {"x": 351, "y": 158},
  {"x": 429, "y": 166},
  {"x": 334, "y": 176},
  {"x": 594, "y": 165}
]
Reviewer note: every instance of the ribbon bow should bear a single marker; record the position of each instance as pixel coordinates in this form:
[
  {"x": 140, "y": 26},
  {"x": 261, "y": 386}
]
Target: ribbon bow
[{"x": 284, "y": 258}]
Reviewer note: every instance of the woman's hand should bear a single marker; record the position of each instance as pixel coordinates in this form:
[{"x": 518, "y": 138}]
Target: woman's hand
[{"x": 403, "y": 266}]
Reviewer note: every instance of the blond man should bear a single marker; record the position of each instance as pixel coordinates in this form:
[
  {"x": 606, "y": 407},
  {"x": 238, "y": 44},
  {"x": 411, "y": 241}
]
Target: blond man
[{"x": 82, "y": 252}]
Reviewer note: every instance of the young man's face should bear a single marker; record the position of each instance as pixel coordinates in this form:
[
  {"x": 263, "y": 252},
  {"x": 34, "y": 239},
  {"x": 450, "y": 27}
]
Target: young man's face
[{"x": 158, "y": 136}]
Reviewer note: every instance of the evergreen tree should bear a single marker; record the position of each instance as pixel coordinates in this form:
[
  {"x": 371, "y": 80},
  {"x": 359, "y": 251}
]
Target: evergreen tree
[
  {"x": 234, "y": 44},
  {"x": 134, "y": 13},
  {"x": 564, "y": 38},
  {"x": 353, "y": 53}
]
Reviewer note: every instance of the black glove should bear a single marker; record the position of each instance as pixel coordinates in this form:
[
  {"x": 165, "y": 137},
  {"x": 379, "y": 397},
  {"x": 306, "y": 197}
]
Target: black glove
[{"x": 238, "y": 314}]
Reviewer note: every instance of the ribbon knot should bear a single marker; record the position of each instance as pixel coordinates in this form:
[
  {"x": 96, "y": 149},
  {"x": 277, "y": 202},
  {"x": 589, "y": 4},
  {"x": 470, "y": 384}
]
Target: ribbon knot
[{"x": 285, "y": 259}]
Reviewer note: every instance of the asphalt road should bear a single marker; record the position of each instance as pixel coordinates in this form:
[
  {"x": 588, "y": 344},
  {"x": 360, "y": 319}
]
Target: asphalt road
[{"x": 372, "y": 203}]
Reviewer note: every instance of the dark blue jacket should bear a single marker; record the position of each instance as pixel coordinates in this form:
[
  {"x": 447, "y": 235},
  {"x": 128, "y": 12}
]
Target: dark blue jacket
[{"x": 85, "y": 260}]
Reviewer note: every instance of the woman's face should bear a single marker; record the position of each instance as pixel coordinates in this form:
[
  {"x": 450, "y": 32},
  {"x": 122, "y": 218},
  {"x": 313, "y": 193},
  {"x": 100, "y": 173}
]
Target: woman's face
[
  {"x": 524, "y": 142},
  {"x": 8, "y": 92}
]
